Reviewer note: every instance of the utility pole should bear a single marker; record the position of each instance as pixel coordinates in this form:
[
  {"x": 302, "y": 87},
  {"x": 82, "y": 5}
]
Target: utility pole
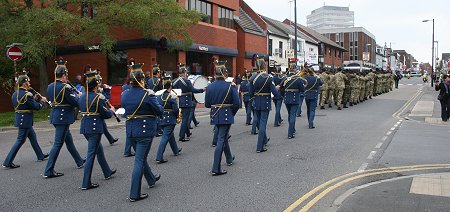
[{"x": 295, "y": 29}]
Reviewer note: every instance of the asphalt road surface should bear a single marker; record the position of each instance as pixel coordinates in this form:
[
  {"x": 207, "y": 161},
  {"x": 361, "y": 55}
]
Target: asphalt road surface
[{"x": 270, "y": 181}]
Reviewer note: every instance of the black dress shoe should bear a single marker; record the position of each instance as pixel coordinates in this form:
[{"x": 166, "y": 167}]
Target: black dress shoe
[
  {"x": 158, "y": 135},
  {"x": 11, "y": 166},
  {"x": 345, "y": 106},
  {"x": 130, "y": 155},
  {"x": 219, "y": 173},
  {"x": 190, "y": 127},
  {"x": 276, "y": 125},
  {"x": 92, "y": 186},
  {"x": 179, "y": 151},
  {"x": 113, "y": 171},
  {"x": 161, "y": 161},
  {"x": 114, "y": 141},
  {"x": 213, "y": 145},
  {"x": 263, "y": 150},
  {"x": 157, "y": 177},
  {"x": 291, "y": 137},
  {"x": 339, "y": 108},
  {"x": 184, "y": 139},
  {"x": 322, "y": 107},
  {"x": 229, "y": 136},
  {"x": 44, "y": 158},
  {"x": 196, "y": 124},
  {"x": 141, "y": 197},
  {"x": 82, "y": 165},
  {"x": 312, "y": 127},
  {"x": 229, "y": 164},
  {"x": 248, "y": 124},
  {"x": 189, "y": 134},
  {"x": 55, "y": 174}
]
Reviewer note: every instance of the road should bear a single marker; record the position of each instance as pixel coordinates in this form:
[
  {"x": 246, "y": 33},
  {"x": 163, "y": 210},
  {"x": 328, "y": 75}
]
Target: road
[{"x": 341, "y": 143}]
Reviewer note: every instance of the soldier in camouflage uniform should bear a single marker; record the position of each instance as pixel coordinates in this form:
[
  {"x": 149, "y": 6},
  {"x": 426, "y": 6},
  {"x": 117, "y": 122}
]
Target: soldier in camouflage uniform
[
  {"x": 354, "y": 86},
  {"x": 331, "y": 87},
  {"x": 362, "y": 86},
  {"x": 339, "y": 79},
  {"x": 347, "y": 91},
  {"x": 324, "y": 89},
  {"x": 371, "y": 77}
]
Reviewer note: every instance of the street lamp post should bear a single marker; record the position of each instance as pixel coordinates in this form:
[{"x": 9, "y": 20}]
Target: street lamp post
[
  {"x": 432, "y": 55},
  {"x": 295, "y": 29}
]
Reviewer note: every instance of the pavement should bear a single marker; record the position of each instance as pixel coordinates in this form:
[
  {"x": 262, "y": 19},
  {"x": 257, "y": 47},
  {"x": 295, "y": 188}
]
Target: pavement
[{"x": 413, "y": 174}]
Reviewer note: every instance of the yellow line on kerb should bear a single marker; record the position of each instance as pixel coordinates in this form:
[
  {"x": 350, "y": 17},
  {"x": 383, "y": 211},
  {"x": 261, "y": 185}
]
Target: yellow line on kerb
[{"x": 364, "y": 173}]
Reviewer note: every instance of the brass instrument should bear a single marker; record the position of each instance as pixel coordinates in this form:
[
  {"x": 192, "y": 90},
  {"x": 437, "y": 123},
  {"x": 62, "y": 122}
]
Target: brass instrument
[{"x": 180, "y": 116}]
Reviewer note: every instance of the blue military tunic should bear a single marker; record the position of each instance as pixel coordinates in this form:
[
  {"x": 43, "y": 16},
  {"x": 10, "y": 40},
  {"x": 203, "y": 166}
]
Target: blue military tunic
[
  {"x": 244, "y": 91},
  {"x": 63, "y": 102},
  {"x": 292, "y": 87},
  {"x": 24, "y": 104},
  {"x": 277, "y": 79},
  {"x": 170, "y": 106},
  {"x": 141, "y": 110},
  {"x": 154, "y": 84},
  {"x": 93, "y": 119},
  {"x": 223, "y": 99},
  {"x": 187, "y": 90},
  {"x": 260, "y": 88},
  {"x": 312, "y": 89}
]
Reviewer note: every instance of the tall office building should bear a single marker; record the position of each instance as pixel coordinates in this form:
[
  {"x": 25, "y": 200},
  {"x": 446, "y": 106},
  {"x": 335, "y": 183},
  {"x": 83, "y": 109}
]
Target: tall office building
[{"x": 330, "y": 17}]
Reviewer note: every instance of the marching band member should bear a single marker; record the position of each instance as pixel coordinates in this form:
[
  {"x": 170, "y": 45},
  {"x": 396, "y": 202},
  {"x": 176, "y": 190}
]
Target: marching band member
[
  {"x": 223, "y": 99},
  {"x": 141, "y": 110},
  {"x": 260, "y": 89},
  {"x": 94, "y": 110},
  {"x": 155, "y": 84},
  {"x": 311, "y": 94},
  {"x": 168, "y": 121},
  {"x": 62, "y": 116},
  {"x": 278, "y": 99},
  {"x": 246, "y": 98},
  {"x": 292, "y": 86},
  {"x": 127, "y": 150},
  {"x": 24, "y": 103},
  {"x": 187, "y": 89}
]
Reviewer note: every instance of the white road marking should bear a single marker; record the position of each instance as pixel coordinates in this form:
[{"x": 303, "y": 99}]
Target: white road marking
[
  {"x": 384, "y": 138},
  {"x": 363, "y": 167},
  {"x": 373, "y": 153},
  {"x": 410, "y": 84},
  {"x": 389, "y": 132},
  {"x": 378, "y": 145},
  {"x": 393, "y": 128}
]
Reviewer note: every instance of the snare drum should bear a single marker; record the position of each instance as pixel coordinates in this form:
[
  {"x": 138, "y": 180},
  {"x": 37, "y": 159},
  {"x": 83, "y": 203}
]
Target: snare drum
[{"x": 199, "y": 82}]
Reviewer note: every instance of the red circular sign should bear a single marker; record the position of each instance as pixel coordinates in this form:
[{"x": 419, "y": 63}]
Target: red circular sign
[{"x": 14, "y": 53}]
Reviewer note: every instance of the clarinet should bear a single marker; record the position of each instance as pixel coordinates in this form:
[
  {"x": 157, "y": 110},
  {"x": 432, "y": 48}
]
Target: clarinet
[
  {"x": 38, "y": 95},
  {"x": 115, "y": 115}
]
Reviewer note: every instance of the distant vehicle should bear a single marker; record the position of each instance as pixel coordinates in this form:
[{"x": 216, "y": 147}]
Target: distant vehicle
[{"x": 415, "y": 74}]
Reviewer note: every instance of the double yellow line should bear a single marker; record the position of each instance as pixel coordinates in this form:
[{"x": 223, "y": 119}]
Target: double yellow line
[
  {"x": 341, "y": 180},
  {"x": 406, "y": 105}
]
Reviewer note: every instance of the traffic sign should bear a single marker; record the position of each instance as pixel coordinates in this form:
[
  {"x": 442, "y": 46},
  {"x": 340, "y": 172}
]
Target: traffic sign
[{"x": 14, "y": 53}]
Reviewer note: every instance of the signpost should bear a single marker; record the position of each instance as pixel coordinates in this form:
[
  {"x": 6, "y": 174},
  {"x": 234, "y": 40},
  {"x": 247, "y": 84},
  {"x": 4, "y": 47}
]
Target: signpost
[{"x": 15, "y": 54}]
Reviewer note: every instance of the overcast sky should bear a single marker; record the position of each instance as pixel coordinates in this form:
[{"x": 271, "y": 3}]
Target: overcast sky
[{"x": 395, "y": 21}]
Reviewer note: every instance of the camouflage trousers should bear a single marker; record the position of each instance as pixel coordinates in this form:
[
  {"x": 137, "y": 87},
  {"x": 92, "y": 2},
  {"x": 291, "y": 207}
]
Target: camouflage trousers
[
  {"x": 338, "y": 94},
  {"x": 354, "y": 95},
  {"x": 323, "y": 96},
  {"x": 347, "y": 96},
  {"x": 330, "y": 97}
]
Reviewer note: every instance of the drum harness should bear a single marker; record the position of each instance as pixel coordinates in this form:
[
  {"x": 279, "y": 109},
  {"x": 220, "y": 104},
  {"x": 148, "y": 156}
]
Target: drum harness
[{"x": 138, "y": 107}]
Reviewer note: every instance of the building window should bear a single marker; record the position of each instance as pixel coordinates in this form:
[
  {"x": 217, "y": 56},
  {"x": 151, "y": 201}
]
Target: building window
[
  {"x": 116, "y": 64},
  {"x": 356, "y": 51},
  {"x": 351, "y": 57},
  {"x": 280, "y": 46},
  {"x": 226, "y": 18},
  {"x": 337, "y": 38},
  {"x": 356, "y": 43},
  {"x": 270, "y": 47},
  {"x": 355, "y": 36},
  {"x": 335, "y": 53},
  {"x": 356, "y": 57},
  {"x": 351, "y": 51},
  {"x": 201, "y": 7}
]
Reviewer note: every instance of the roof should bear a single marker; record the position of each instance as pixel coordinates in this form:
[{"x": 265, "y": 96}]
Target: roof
[
  {"x": 286, "y": 29},
  {"x": 273, "y": 28},
  {"x": 320, "y": 38},
  {"x": 248, "y": 24}
]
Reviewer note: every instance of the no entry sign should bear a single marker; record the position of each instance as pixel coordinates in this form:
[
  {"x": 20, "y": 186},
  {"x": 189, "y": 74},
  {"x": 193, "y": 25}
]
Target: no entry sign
[{"x": 14, "y": 53}]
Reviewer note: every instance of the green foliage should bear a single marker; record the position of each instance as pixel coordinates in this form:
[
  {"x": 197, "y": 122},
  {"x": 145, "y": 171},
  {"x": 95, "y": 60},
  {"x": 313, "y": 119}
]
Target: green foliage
[{"x": 45, "y": 26}]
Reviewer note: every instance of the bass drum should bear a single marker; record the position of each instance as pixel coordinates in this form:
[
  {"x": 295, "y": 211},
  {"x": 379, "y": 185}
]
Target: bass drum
[{"x": 199, "y": 82}]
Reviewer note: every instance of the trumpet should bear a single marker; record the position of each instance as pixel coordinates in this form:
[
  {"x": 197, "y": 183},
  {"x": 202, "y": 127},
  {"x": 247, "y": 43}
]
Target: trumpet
[
  {"x": 73, "y": 87},
  {"x": 38, "y": 95},
  {"x": 180, "y": 116}
]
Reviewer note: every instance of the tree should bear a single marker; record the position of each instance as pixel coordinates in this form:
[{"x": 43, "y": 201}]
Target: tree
[{"x": 45, "y": 26}]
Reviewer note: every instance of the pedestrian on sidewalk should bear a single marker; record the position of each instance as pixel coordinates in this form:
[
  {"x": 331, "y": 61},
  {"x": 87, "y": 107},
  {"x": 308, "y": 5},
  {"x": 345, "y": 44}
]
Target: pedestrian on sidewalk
[{"x": 443, "y": 97}]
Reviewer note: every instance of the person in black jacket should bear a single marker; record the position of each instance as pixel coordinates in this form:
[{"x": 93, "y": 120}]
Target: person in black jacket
[{"x": 443, "y": 97}]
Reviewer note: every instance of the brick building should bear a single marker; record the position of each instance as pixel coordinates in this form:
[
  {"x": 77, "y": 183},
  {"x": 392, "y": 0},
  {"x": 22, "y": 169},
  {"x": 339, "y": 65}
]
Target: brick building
[
  {"x": 330, "y": 53},
  {"x": 251, "y": 39},
  {"x": 359, "y": 42}
]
